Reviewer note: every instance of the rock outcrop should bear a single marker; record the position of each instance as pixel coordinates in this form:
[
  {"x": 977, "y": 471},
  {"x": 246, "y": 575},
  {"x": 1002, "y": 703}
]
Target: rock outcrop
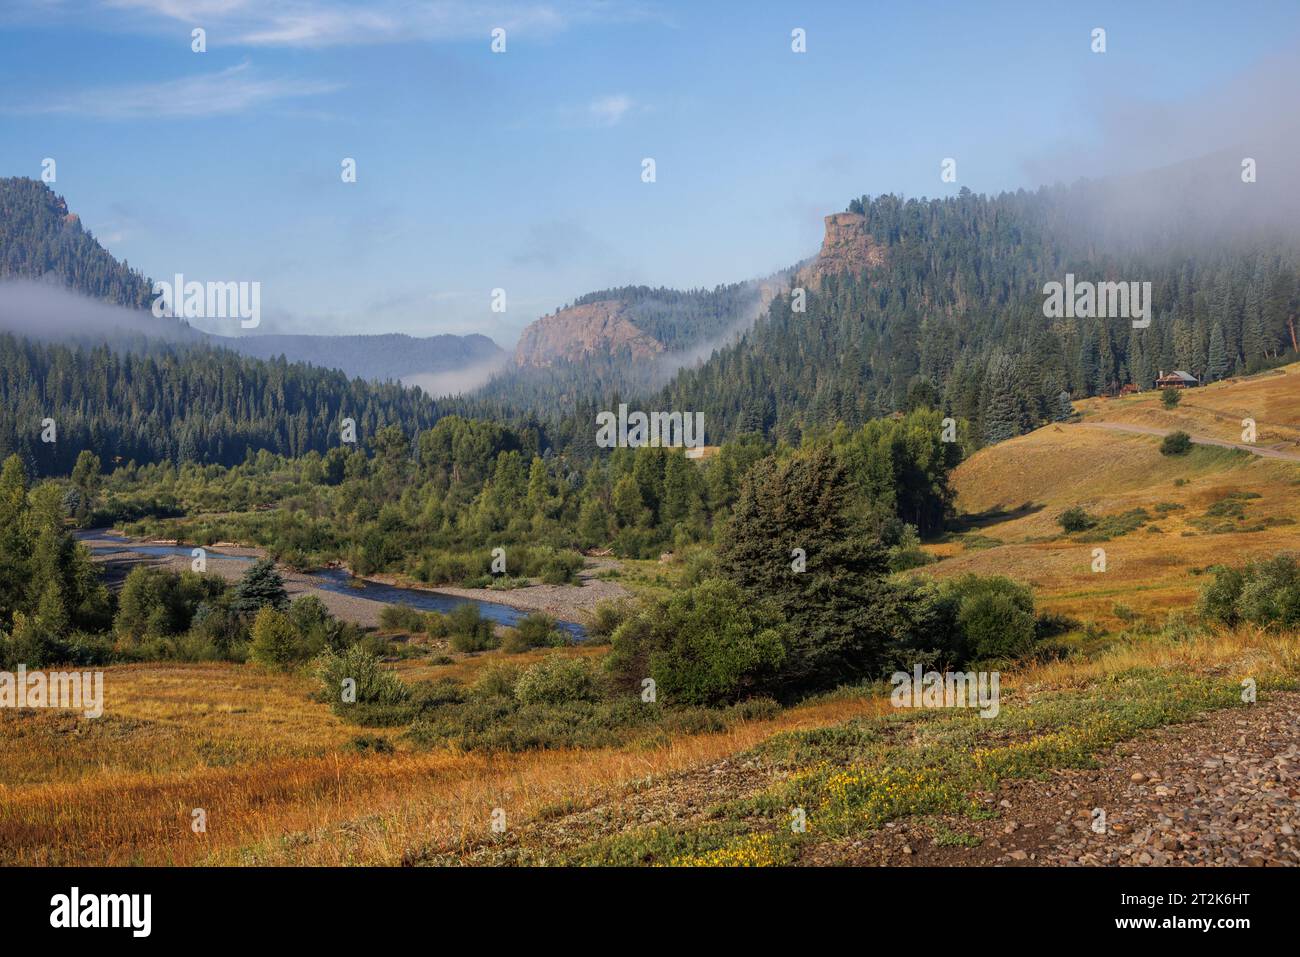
[
  {"x": 847, "y": 247},
  {"x": 579, "y": 331}
]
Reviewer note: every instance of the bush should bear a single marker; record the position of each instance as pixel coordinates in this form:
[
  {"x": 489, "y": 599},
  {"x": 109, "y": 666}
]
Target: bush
[
  {"x": 1218, "y": 599},
  {"x": 1262, "y": 593},
  {"x": 712, "y": 644},
  {"x": 380, "y": 696},
  {"x": 996, "y": 626},
  {"x": 30, "y": 644},
  {"x": 992, "y": 617},
  {"x": 606, "y": 618},
  {"x": 469, "y": 630},
  {"x": 157, "y": 602},
  {"x": 697, "y": 565},
  {"x": 1170, "y": 398},
  {"x": 558, "y": 680},
  {"x": 317, "y": 629},
  {"x": 535, "y": 631},
  {"x": 275, "y": 640},
  {"x": 436, "y": 624},
  {"x": 497, "y": 680},
  {"x": 1271, "y": 593},
  {"x": 561, "y": 568},
  {"x": 1076, "y": 520},
  {"x": 1176, "y": 443},
  {"x": 401, "y": 618},
  {"x": 226, "y": 631}
]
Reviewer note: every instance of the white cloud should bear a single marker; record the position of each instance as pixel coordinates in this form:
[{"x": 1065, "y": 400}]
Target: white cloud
[
  {"x": 323, "y": 23},
  {"x": 234, "y": 90},
  {"x": 609, "y": 110}
]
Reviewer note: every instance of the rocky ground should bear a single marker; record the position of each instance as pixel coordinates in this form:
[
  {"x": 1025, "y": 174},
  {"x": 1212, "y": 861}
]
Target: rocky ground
[
  {"x": 1222, "y": 791},
  {"x": 566, "y": 602}
]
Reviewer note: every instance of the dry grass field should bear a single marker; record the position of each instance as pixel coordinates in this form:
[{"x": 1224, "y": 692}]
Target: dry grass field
[
  {"x": 272, "y": 770},
  {"x": 279, "y": 785},
  {"x": 1012, "y": 494},
  {"x": 1272, "y": 399}
]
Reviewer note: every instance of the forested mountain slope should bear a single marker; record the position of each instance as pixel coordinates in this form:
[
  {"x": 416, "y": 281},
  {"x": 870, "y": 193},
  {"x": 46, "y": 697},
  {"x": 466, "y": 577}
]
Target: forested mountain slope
[
  {"x": 950, "y": 308},
  {"x": 40, "y": 239},
  {"x": 193, "y": 404}
]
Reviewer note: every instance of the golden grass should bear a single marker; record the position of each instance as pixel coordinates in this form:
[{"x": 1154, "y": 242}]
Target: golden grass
[
  {"x": 1272, "y": 399},
  {"x": 338, "y": 807},
  {"x": 287, "y": 796},
  {"x": 1033, "y": 478}
]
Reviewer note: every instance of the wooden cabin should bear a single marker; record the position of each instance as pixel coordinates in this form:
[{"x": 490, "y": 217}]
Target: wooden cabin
[{"x": 1177, "y": 380}]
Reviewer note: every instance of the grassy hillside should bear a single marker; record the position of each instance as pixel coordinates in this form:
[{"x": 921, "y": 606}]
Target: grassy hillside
[
  {"x": 1272, "y": 399},
  {"x": 1210, "y": 505}
]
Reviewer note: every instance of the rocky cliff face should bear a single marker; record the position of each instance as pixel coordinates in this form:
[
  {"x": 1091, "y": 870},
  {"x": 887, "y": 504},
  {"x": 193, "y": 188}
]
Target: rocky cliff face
[
  {"x": 570, "y": 334},
  {"x": 847, "y": 247}
]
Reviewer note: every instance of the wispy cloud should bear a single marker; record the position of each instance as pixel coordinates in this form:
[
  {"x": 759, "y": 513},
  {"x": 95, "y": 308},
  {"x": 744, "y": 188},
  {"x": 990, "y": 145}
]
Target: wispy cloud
[
  {"x": 323, "y": 23},
  {"x": 609, "y": 110},
  {"x": 234, "y": 90}
]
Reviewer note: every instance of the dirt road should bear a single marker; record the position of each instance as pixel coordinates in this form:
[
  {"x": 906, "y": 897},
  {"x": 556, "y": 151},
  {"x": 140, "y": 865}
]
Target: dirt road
[{"x": 1263, "y": 451}]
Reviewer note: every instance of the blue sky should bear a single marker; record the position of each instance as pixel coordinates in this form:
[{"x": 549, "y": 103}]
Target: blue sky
[{"x": 522, "y": 170}]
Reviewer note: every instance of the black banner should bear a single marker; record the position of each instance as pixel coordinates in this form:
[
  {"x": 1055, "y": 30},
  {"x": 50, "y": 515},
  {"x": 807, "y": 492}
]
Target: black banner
[{"x": 144, "y": 906}]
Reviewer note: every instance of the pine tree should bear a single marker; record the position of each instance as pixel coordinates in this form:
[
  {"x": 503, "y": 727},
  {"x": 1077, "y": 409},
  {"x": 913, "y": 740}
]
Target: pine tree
[
  {"x": 839, "y": 604},
  {"x": 1217, "y": 363},
  {"x": 1001, "y": 413},
  {"x": 262, "y": 586}
]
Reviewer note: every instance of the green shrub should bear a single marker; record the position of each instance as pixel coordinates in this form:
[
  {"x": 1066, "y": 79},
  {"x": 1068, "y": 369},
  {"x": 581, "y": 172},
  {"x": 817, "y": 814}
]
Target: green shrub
[
  {"x": 996, "y": 626},
  {"x": 1262, "y": 593},
  {"x": 381, "y": 698},
  {"x": 1176, "y": 443},
  {"x": 558, "y": 680},
  {"x": 1271, "y": 593},
  {"x": 537, "y": 630},
  {"x": 436, "y": 624},
  {"x": 1123, "y": 612},
  {"x": 1218, "y": 599},
  {"x": 317, "y": 628},
  {"x": 401, "y": 618},
  {"x": 1076, "y": 519},
  {"x": 992, "y": 616},
  {"x": 275, "y": 640},
  {"x": 469, "y": 630},
  {"x": 606, "y": 618},
  {"x": 561, "y": 568},
  {"x": 158, "y": 602},
  {"x": 217, "y": 624},
  {"x": 31, "y": 644},
  {"x": 497, "y": 680},
  {"x": 712, "y": 644},
  {"x": 1170, "y": 398}
]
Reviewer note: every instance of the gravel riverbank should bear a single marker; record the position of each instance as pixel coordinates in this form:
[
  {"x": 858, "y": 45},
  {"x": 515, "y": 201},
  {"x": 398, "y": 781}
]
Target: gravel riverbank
[{"x": 565, "y": 602}]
